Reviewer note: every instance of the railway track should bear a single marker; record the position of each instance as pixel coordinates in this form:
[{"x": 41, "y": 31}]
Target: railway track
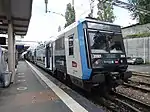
[
  {"x": 141, "y": 74},
  {"x": 117, "y": 102},
  {"x": 139, "y": 83},
  {"x": 137, "y": 87},
  {"x": 115, "y": 105},
  {"x": 133, "y": 104}
]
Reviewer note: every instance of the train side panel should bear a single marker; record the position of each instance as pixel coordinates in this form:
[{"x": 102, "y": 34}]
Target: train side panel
[
  {"x": 73, "y": 61},
  {"x": 83, "y": 52},
  {"x": 59, "y": 56},
  {"x": 40, "y": 56}
]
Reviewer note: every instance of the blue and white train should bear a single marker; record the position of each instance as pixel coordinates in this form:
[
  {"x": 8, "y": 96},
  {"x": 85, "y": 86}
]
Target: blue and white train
[{"x": 88, "y": 53}]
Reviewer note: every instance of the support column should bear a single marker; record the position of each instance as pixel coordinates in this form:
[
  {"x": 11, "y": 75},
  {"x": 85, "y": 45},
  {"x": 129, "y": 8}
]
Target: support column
[
  {"x": 14, "y": 50},
  {"x": 11, "y": 65}
]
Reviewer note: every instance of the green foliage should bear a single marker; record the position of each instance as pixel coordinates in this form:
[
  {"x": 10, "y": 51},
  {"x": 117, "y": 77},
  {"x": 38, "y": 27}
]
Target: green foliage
[
  {"x": 69, "y": 15},
  {"x": 143, "y": 4},
  {"x": 140, "y": 35},
  {"x": 105, "y": 11}
]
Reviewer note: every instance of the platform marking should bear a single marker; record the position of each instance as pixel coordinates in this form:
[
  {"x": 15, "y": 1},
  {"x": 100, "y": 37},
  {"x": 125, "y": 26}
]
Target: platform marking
[
  {"x": 20, "y": 73},
  {"x": 69, "y": 101},
  {"x": 21, "y": 76},
  {"x": 21, "y": 88},
  {"x": 21, "y": 80}
]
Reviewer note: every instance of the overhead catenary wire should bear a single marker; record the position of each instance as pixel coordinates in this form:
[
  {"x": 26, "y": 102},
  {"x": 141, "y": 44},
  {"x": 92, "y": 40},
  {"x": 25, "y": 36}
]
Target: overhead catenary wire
[
  {"x": 124, "y": 5},
  {"x": 56, "y": 13},
  {"x": 130, "y": 7}
]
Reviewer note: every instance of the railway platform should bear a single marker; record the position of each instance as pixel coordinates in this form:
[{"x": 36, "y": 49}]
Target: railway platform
[{"x": 32, "y": 91}]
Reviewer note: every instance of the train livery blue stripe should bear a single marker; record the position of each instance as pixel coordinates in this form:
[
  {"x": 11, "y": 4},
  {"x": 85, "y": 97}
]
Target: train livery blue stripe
[{"x": 85, "y": 70}]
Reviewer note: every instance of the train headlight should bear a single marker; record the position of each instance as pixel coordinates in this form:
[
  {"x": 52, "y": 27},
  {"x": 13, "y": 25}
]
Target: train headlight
[
  {"x": 121, "y": 61},
  {"x": 122, "y": 56},
  {"x": 96, "y": 62}
]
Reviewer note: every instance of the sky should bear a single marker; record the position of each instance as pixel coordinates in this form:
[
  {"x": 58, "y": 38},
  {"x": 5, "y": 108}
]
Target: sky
[{"x": 44, "y": 25}]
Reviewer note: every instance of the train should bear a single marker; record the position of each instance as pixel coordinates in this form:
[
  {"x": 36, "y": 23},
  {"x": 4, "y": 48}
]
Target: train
[{"x": 89, "y": 54}]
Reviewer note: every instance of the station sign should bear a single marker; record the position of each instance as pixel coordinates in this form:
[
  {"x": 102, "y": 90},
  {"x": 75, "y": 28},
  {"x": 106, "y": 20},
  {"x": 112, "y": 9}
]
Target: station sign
[
  {"x": 19, "y": 46},
  {"x": 2, "y": 40}
]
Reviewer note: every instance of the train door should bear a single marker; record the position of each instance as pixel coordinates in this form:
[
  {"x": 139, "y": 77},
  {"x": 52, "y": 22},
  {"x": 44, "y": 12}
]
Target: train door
[
  {"x": 49, "y": 56},
  {"x": 35, "y": 56}
]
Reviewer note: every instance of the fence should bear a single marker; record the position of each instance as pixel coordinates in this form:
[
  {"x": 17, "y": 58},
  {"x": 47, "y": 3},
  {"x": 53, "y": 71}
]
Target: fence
[{"x": 138, "y": 47}]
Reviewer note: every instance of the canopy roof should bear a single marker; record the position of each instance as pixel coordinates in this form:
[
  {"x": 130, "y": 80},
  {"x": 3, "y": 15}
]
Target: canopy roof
[{"x": 17, "y": 11}]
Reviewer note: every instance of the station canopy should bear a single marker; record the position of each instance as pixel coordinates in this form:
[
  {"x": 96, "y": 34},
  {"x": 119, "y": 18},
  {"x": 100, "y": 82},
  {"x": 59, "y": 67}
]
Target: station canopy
[{"x": 18, "y": 12}]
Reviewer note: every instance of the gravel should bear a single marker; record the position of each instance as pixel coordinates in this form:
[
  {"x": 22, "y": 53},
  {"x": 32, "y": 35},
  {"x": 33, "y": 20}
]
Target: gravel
[
  {"x": 144, "y": 97},
  {"x": 137, "y": 94},
  {"x": 140, "y": 85},
  {"x": 140, "y": 79}
]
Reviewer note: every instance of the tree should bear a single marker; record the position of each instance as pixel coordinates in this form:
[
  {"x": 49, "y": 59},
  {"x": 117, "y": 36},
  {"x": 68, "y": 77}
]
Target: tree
[
  {"x": 69, "y": 15},
  {"x": 105, "y": 11},
  {"x": 140, "y": 17}
]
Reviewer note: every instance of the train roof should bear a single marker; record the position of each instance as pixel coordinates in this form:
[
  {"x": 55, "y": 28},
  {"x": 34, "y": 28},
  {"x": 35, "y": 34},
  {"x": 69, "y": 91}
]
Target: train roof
[{"x": 88, "y": 19}]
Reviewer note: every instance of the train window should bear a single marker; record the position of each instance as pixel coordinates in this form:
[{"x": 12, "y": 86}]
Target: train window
[
  {"x": 70, "y": 40},
  {"x": 60, "y": 43},
  {"x": 103, "y": 42}
]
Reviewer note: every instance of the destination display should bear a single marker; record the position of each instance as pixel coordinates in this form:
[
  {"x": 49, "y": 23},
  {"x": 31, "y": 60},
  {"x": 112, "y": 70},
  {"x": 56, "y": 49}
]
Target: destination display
[{"x": 101, "y": 26}]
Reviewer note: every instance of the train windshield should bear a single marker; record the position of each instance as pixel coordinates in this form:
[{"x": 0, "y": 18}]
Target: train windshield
[{"x": 104, "y": 42}]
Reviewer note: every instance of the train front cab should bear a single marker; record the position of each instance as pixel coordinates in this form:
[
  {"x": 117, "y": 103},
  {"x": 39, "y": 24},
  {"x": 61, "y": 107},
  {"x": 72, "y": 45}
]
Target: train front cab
[{"x": 104, "y": 60}]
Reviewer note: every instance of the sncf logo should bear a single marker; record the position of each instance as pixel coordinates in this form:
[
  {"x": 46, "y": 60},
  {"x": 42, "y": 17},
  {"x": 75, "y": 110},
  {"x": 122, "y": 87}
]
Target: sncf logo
[{"x": 74, "y": 64}]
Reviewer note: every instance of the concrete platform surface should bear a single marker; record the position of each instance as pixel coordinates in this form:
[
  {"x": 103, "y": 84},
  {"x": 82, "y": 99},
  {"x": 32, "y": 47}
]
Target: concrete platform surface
[
  {"x": 33, "y": 92},
  {"x": 28, "y": 95}
]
